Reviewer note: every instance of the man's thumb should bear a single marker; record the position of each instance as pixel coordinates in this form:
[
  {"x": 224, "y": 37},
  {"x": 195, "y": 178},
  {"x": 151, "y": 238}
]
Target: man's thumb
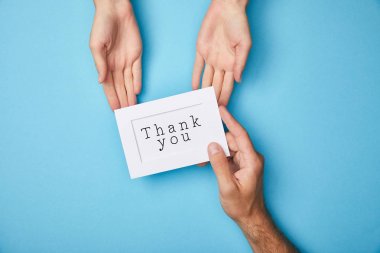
[{"x": 220, "y": 166}]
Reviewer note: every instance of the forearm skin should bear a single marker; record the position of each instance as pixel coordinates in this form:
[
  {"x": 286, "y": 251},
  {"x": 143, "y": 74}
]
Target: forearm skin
[{"x": 263, "y": 236}]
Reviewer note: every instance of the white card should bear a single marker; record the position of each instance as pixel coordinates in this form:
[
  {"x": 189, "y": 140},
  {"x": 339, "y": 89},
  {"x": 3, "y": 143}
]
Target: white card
[{"x": 170, "y": 133}]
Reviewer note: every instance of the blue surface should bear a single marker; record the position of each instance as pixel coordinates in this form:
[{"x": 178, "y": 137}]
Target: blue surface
[{"x": 310, "y": 98}]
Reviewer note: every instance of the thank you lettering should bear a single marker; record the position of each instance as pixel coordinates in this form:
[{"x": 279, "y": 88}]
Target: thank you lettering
[{"x": 171, "y": 134}]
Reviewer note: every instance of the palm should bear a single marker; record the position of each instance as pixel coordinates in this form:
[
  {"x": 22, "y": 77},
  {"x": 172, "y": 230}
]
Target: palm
[
  {"x": 218, "y": 38},
  {"x": 125, "y": 44},
  {"x": 117, "y": 49},
  {"x": 223, "y": 45}
]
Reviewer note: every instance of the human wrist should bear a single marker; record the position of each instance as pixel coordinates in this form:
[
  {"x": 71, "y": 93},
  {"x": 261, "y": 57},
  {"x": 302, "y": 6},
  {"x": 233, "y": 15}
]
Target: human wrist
[
  {"x": 114, "y": 8},
  {"x": 258, "y": 227},
  {"x": 262, "y": 234},
  {"x": 256, "y": 217},
  {"x": 111, "y": 3},
  {"x": 240, "y": 3}
]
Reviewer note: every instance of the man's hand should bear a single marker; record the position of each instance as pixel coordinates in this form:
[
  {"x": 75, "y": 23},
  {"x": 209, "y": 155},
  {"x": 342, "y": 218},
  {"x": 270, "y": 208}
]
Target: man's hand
[
  {"x": 240, "y": 180},
  {"x": 223, "y": 45},
  {"x": 117, "y": 50},
  {"x": 240, "y": 176}
]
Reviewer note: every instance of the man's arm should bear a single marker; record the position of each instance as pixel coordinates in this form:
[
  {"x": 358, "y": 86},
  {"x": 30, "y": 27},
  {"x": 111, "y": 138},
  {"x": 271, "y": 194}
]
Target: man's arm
[
  {"x": 240, "y": 184},
  {"x": 263, "y": 236}
]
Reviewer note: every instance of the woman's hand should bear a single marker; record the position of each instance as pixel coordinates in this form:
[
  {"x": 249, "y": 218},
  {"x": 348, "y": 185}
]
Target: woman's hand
[
  {"x": 223, "y": 45},
  {"x": 117, "y": 50}
]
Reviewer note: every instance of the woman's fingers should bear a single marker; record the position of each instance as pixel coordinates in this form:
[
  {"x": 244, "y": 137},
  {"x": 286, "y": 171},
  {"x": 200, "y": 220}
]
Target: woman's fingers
[
  {"x": 242, "y": 51},
  {"x": 228, "y": 86},
  {"x": 128, "y": 81},
  {"x": 137, "y": 75},
  {"x": 217, "y": 82},
  {"x": 222, "y": 81},
  {"x": 100, "y": 57},
  {"x": 197, "y": 72},
  {"x": 109, "y": 90},
  {"x": 207, "y": 76},
  {"x": 118, "y": 78}
]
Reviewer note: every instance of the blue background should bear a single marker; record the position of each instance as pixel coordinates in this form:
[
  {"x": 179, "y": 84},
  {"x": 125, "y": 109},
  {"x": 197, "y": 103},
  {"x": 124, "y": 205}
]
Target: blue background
[{"x": 310, "y": 99}]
